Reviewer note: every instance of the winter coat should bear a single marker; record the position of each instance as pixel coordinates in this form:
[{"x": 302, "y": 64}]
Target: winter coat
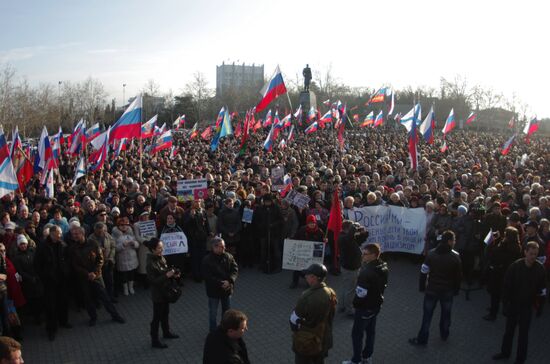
[
  {"x": 463, "y": 228},
  {"x": 317, "y": 304},
  {"x": 443, "y": 270},
  {"x": 220, "y": 349},
  {"x": 217, "y": 268},
  {"x": 156, "y": 275},
  {"x": 371, "y": 283},
  {"x": 86, "y": 258},
  {"x": 30, "y": 282},
  {"x": 126, "y": 256},
  {"x": 500, "y": 255},
  {"x": 14, "y": 289},
  {"x": 50, "y": 263},
  {"x": 229, "y": 221},
  {"x": 107, "y": 245},
  {"x": 268, "y": 220}
]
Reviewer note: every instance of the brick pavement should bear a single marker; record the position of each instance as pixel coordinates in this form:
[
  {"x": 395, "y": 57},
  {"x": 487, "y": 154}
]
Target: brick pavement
[{"x": 268, "y": 302}]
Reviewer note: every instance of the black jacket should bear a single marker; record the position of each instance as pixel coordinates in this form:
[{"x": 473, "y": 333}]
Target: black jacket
[
  {"x": 218, "y": 268},
  {"x": 350, "y": 251},
  {"x": 523, "y": 285},
  {"x": 443, "y": 270},
  {"x": 50, "y": 262},
  {"x": 220, "y": 349},
  {"x": 156, "y": 275},
  {"x": 373, "y": 277}
]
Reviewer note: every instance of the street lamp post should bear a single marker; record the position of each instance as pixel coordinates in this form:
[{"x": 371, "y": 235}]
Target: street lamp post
[{"x": 123, "y": 95}]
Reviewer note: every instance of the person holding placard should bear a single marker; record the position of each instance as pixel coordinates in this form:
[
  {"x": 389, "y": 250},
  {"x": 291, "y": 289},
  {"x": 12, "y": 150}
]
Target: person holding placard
[
  {"x": 158, "y": 274},
  {"x": 309, "y": 232}
]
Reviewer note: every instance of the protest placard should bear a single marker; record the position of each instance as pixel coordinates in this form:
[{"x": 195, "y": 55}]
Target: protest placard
[
  {"x": 192, "y": 189},
  {"x": 247, "y": 215},
  {"x": 300, "y": 254},
  {"x": 147, "y": 229},
  {"x": 397, "y": 229},
  {"x": 174, "y": 243},
  {"x": 297, "y": 199}
]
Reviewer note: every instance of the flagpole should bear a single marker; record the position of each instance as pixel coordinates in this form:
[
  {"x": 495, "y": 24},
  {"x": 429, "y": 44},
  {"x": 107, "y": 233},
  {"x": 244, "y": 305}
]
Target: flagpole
[{"x": 140, "y": 156}]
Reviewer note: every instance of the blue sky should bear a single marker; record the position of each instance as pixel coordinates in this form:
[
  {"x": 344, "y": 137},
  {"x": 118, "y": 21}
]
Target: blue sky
[{"x": 498, "y": 44}]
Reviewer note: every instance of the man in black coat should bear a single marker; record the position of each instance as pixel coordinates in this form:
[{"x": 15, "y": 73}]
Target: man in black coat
[
  {"x": 369, "y": 295},
  {"x": 219, "y": 271},
  {"x": 51, "y": 265},
  {"x": 349, "y": 241},
  {"x": 267, "y": 222},
  {"x": 442, "y": 269},
  {"x": 226, "y": 344},
  {"x": 524, "y": 287}
]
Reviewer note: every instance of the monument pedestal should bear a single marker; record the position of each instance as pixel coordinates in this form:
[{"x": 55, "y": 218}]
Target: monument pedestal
[{"x": 307, "y": 100}]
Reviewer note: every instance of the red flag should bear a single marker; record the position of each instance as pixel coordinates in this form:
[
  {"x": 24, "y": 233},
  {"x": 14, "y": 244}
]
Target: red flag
[
  {"x": 207, "y": 133},
  {"x": 335, "y": 223}
]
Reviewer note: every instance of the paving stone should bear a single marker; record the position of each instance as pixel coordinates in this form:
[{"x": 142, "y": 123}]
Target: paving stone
[{"x": 268, "y": 301}]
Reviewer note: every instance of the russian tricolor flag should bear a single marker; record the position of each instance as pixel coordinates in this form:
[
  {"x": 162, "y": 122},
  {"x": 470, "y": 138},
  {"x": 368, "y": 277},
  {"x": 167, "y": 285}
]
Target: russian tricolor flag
[
  {"x": 129, "y": 124},
  {"x": 98, "y": 158},
  {"x": 379, "y": 119},
  {"x": 427, "y": 127},
  {"x": 164, "y": 141},
  {"x": 93, "y": 132},
  {"x": 312, "y": 128},
  {"x": 45, "y": 151},
  {"x": 450, "y": 122},
  {"x": 16, "y": 143},
  {"x": 508, "y": 145},
  {"x": 413, "y": 140},
  {"x": 471, "y": 118},
  {"x": 273, "y": 89}
]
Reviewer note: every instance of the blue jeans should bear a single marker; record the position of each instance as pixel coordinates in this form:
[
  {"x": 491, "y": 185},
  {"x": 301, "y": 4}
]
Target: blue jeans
[
  {"x": 213, "y": 309},
  {"x": 364, "y": 322},
  {"x": 430, "y": 301}
]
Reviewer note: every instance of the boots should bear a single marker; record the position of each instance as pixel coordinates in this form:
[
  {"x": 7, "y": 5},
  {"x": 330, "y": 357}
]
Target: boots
[
  {"x": 155, "y": 342},
  {"x": 125, "y": 289},
  {"x": 131, "y": 287}
]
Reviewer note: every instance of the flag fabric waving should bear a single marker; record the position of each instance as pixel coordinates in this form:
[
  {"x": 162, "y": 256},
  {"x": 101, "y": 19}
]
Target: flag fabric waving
[
  {"x": 428, "y": 126},
  {"x": 392, "y": 103},
  {"x": 378, "y": 96},
  {"x": 164, "y": 141},
  {"x": 369, "y": 120},
  {"x": 508, "y": 145},
  {"x": 16, "y": 143},
  {"x": 92, "y": 132},
  {"x": 413, "y": 141},
  {"x": 379, "y": 119},
  {"x": 312, "y": 128},
  {"x": 148, "y": 128},
  {"x": 471, "y": 118},
  {"x": 80, "y": 170},
  {"x": 98, "y": 158},
  {"x": 129, "y": 124},
  {"x": 335, "y": 223},
  {"x": 8, "y": 179},
  {"x": 414, "y": 114},
  {"x": 207, "y": 133},
  {"x": 449, "y": 123},
  {"x": 272, "y": 89}
]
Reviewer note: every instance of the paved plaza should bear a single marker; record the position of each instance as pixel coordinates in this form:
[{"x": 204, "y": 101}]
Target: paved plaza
[{"x": 268, "y": 301}]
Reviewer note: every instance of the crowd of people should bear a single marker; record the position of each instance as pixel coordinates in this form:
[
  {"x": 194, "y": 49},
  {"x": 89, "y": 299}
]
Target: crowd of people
[{"x": 85, "y": 246}]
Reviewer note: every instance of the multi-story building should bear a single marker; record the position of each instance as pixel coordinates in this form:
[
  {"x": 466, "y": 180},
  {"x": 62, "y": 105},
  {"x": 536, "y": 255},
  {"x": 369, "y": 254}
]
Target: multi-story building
[{"x": 235, "y": 76}]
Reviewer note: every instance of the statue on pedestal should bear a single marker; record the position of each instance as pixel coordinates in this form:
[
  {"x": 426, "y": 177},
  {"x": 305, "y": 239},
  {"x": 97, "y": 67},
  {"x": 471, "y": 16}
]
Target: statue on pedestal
[{"x": 307, "y": 77}]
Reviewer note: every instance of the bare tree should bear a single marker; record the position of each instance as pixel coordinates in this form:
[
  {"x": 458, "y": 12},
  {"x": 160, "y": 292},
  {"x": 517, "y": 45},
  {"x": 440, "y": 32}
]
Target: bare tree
[{"x": 200, "y": 92}]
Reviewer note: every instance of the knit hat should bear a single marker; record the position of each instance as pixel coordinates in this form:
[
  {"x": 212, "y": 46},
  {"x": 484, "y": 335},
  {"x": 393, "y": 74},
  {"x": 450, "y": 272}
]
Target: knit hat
[
  {"x": 115, "y": 210},
  {"x": 21, "y": 239},
  {"x": 463, "y": 210},
  {"x": 311, "y": 218}
]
